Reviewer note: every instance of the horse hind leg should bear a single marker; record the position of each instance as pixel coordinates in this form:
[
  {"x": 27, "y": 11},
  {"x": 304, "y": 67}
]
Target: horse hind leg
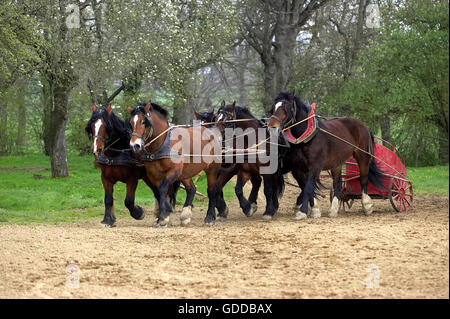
[
  {"x": 213, "y": 190},
  {"x": 308, "y": 194},
  {"x": 363, "y": 162},
  {"x": 336, "y": 173},
  {"x": 314, "y": 209}
]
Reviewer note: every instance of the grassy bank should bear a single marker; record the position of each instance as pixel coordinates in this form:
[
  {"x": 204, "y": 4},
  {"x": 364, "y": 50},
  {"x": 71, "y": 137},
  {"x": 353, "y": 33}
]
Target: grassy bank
[{"x": 427, "y": 180}]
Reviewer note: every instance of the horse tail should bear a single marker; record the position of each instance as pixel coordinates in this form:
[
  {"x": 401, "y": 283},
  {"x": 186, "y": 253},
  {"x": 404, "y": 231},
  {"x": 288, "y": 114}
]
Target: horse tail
[
  {"x": 375, "y": 173},
  {"x": 281, "y": 185}
]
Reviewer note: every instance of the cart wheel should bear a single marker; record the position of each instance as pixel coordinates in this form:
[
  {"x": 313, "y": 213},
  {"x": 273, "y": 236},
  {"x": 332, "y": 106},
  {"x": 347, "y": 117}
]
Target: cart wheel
[
  {"x": 400, "y": 194},
  {"x": 347, "y": 204}
]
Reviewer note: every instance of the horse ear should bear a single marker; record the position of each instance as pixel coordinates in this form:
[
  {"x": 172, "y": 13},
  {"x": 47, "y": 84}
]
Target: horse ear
[
  {"x": 130, "y": 109},
  {"x": 212, "y": 111},
  {"x": 233, "y": 105},
  {"x": 197, "y": 115},
  {"x": 147, "y": 107},
  {"x": 109, "y": 109},
  {"x": 222, "y": 104},
  {"x": 94, "y": 108}
]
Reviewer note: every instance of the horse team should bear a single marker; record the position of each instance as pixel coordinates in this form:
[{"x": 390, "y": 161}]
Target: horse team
[{"x": 146, "y": 146}]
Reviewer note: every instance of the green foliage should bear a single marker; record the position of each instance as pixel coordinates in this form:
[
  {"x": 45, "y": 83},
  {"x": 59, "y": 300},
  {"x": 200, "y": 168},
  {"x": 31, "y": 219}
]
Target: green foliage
[
  {"x": 404, "y": 75},
  {"x": 17, "y": 37}
]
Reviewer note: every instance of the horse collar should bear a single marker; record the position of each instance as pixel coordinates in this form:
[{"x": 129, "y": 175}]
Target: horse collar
[
  {"x": 163, "y": 152},
  {"x": 310, "y": 132}
]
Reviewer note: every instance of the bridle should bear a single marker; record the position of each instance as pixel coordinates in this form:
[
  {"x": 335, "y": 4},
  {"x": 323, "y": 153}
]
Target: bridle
[
  {"x": 149, "y": 118},
  {"x": 291, "y": 114},
  {"x": 227, "y": 116}
]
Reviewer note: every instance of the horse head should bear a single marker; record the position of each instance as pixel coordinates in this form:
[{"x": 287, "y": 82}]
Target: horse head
[
  {"x": 97, "y": 128},
  {"x": 224, "y": 114},
  {"x": 205, "y": 117}
]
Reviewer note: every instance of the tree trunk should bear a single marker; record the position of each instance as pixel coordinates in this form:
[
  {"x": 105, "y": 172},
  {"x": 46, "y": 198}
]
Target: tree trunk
[
  {"x": 182, "y": 108},
  {"x": 3, "y": 129},
  {"x": 385, "y": 124},
  {"x": 269, "y": 84},
  {"x": 56, "y": 111},
  {"x": 22, "y": 122},
  {"x": 443, "y": 151}
]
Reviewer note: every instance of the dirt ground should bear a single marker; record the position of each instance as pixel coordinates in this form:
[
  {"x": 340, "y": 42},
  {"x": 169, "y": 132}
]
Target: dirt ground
[{"x": 385, "y": 255}]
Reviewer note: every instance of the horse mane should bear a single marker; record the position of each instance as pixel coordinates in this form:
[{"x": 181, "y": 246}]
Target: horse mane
[
  {"x": 244, "y": 112},
  {"x": 154, "y": 107}
]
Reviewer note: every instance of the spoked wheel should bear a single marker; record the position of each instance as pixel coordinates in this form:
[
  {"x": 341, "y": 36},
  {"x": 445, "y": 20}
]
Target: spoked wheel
[
  {"x": 400, "y": 194},
  {"x": 345, "y": 203}
]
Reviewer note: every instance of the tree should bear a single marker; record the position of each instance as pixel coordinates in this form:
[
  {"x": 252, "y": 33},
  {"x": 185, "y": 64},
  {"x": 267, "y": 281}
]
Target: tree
[
  {"x": 405, "y": 73},
  {"x": 271, "y": 27}
]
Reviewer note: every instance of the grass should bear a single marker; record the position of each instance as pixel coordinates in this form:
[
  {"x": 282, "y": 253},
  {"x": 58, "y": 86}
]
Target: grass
[
  {"x": 28, "y": 193},
  {"x": 426, "y": 180}
]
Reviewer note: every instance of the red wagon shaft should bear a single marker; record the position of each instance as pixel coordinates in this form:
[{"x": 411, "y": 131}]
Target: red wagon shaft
[{"x": 397, "y": 187}]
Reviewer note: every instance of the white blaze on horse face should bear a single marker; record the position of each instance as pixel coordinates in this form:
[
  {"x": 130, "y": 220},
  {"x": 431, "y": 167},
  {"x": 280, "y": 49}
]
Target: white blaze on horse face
[
  {"x": 98, "y": 124},
  {"x": 278, "y": 105},
  {"x": 219, "y": 118},
  {"x": 137, "y": 140}
]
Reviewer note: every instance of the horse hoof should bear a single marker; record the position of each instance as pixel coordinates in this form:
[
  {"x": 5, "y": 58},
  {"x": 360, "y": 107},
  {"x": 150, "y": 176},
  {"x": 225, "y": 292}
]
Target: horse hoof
[
  {"x": 186, "y": 213},
  {"x": 368, "y": 210},
  {"x": 186, "y": 221},
  {"x": 300, "y": 215},
  {"x": 315, "y": 213},
  {"x": 209, "y": 223},
  {"x": 162, "y": 222},
  {"x": 138, "y": 213},
  {"x": 253, "y": 209},
  {"x": 267, "y": 217},
  {"x": 107, "y": 225},
  {"x": 332, "y": 214},
  {"x": 223, "y": 215}
]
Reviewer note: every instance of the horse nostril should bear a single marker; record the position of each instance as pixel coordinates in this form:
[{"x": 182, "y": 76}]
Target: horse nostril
[{"x": 137, "y": 147}]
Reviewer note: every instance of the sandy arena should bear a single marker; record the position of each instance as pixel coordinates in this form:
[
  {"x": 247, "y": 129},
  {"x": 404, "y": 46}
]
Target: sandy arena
[{"x": 405, "y": 254}]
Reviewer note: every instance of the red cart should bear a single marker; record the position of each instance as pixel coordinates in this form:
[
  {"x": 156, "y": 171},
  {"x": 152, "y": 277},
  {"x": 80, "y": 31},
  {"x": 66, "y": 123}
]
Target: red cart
[{"x": 398, "y": 188}]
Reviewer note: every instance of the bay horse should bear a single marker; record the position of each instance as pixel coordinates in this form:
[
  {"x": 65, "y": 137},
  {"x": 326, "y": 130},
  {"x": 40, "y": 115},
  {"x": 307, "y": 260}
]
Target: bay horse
[
  {"x": 317, "y": 145},
  {"x": 227, "y": 171},
  {"x": 236, "y": 117},
  {"x": 110, "y": 147},
  {"x": 159, "y": 147}
]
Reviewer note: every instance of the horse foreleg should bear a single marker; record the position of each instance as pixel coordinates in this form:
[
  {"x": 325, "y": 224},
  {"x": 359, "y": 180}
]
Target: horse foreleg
[
  {"x": 270, "y": 191},
  {"x": 223, "y": 178},
  {"x": 213, "y": 190},
  {"x": 164, "y": 206},
  {"x": 256, "y": 180},
  {"x": 242, "y": 178},
  {"x": 308, "y": 193},
  {"x": 186, "y": 213},
  {"x": 109, "y": 219},
  {"x": 135, "y": 211}
]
